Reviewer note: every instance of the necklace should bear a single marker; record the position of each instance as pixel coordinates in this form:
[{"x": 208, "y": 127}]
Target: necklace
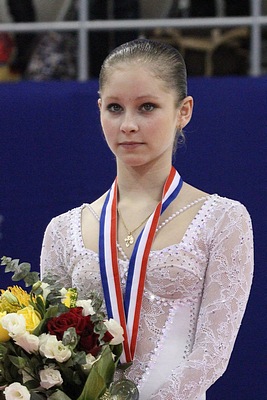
[
  {"x": 174, "y": 215},
  {"x": 129, "y": 239}
]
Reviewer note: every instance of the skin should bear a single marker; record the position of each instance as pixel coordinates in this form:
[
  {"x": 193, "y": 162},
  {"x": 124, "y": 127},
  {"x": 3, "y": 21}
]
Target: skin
[{"x": 139, "y": 117}]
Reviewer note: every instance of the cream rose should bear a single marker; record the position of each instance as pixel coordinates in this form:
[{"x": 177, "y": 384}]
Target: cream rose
[
  {"x": 28, "y": 342},
  {"x": 51, "y": 348},
  {"x": 14, "y": 323},
  {"x": 50, "y": 377},
  {"x": 87, "y": 307},
  {"x": 116, "y": 331},
  {"x": 16, "y": 391}
]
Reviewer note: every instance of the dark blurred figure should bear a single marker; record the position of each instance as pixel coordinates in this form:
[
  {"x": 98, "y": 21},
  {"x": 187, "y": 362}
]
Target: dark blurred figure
[
  {"x": 207, "y": 8},
  {"x": 22, "y": 11},
  {"x": 202, "y": 8},
  {"x": 237, "y": 7},
  {"x": 227, "y": 60},
  {"x": 102, "y": 42}
]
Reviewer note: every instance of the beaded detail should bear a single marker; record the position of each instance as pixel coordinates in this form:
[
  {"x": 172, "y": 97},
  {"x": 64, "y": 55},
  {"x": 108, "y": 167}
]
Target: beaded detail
[
  {"x": 194, "y": 298},
  {"x": 183, "y": 209}
]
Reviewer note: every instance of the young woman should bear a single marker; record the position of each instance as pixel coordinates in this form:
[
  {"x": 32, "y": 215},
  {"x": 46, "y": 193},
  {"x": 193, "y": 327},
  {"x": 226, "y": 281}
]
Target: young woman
[{"x": 173, "y": 263}]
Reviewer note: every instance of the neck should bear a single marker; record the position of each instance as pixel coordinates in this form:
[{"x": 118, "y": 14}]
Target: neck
[{"x": 141, "y": 184}]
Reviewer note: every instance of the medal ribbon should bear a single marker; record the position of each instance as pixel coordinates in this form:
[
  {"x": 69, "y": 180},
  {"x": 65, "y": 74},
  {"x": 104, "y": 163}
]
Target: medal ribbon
[{"x": 127, "y": 310}]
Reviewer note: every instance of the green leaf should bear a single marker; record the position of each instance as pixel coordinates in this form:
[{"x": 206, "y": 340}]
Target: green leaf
[
  {"x": 9, "y": 346},
  {"x": 100, "y": 377},
  {"x": 5, "y": 260},
  {"x": 21, "y": 272},
  {"x": 117, "y": 350},
  {"x": 37, "y": 396},
  {"x": 31, "y": 278},
  {"x": 70, "y": 338},
  {"x": 32, "y": 384},
  {"x": 59, "y": 395},
  {"x": 38, "y": 305},
  {"x": 79, "y": 358},
  {"x": 51, "y": 312},
  {"x": 10, "y": 264},
  {"x": 3, "y": 351},
  {"x": 94, "y": 387},
  {"x": 19, "y": 362}
]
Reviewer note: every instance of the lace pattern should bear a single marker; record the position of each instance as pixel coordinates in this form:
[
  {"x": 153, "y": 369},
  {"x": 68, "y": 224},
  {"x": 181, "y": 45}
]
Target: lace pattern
[{"x": 195, "y": 296}]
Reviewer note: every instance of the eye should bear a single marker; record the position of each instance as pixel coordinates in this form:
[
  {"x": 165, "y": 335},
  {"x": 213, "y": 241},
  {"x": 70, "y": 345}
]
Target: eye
[
  {"x": 114, "y": 107},
  {"x": 148, "y": 107}
]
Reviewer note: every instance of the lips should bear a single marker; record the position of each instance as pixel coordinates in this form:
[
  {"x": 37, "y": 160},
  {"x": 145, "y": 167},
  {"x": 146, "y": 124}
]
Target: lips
[{"x": 130, "y": 145}]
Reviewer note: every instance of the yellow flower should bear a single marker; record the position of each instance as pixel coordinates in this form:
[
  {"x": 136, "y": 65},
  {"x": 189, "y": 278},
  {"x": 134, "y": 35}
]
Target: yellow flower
[
  {"x": 31, "y": 316},
  {"x": 4, "y": 336},
  {"x": 13, "y": 299},
  {"x": 69, "y": 297}
]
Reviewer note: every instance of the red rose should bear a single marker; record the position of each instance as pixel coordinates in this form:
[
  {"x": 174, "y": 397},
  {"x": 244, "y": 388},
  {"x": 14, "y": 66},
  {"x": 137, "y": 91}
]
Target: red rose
[
  {"x": 84, "y": 328},
  {"x": 73, "y": 318},
  {"x": 89, "y": 341}
]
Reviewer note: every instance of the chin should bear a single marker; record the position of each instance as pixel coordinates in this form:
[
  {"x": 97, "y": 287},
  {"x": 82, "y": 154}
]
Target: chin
[{"x": 134, "y": 161}]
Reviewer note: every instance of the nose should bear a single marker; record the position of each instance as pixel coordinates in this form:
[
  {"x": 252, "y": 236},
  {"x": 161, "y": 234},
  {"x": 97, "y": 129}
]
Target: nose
[{"x": 128, "y": 123}]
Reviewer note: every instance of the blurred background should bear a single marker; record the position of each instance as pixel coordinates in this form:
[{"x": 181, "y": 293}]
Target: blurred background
[
  {"x": 53, "y": 156},
  {"x": 217, "y": 37}
]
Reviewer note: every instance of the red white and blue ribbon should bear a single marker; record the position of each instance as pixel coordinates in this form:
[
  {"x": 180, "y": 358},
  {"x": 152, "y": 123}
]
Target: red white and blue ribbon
[{"x": 126, "y": 309}]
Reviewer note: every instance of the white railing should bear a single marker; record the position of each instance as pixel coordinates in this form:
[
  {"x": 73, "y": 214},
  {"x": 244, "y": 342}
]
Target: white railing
[{"x": 255, "y": 21}]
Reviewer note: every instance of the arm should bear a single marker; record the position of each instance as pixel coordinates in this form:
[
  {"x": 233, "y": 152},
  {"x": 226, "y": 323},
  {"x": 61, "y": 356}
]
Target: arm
[
  {"x": 55, "y": 255},
  {"x": 226, "y": 291}
]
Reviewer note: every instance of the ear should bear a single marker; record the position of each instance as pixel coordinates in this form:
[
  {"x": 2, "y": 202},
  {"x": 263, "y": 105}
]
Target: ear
[
  {"x": 185, "y": 112},
  {"x": 99, "y": 102}
]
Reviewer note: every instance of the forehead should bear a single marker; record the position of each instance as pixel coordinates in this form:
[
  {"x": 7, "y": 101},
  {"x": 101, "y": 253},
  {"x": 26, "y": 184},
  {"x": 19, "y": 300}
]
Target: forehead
[{"x": 137, "y": 77}]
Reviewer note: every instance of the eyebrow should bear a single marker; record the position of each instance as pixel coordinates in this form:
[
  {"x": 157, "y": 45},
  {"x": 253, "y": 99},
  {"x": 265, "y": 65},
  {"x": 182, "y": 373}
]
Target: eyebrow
[{"x": 137, "y": 98}]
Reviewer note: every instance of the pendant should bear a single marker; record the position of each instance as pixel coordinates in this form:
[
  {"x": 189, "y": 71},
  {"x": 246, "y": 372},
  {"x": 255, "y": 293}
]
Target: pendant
[
  {"x": 124, "y": 389},
  {"x": 129, "y": 240}
]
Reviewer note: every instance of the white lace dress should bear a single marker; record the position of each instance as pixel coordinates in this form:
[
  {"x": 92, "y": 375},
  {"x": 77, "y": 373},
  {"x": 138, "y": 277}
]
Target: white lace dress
[{"x": 195, "y": 296}]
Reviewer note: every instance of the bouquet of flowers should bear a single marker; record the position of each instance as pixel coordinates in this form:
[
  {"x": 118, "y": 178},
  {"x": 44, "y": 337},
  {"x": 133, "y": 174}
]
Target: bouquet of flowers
[{"x": 53, "y": 345}]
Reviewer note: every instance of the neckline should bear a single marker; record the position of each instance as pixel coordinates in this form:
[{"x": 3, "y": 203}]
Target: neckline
[{"x": 209, "y": 199}]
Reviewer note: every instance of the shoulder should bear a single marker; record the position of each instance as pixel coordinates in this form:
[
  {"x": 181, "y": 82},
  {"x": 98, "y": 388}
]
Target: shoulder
[
  {"x": 226, "y": 206},
  {"x": 63, "y": 220},
  {"x": 228, "y": 217}
]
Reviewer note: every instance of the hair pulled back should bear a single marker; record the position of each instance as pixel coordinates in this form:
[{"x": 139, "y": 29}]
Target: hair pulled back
[{"x": 163, "y": 60}]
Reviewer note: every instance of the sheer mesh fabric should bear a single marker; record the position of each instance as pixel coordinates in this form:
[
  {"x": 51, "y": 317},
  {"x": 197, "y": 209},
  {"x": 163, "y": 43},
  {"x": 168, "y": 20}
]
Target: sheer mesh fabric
[{"x": 195, "y": 296}]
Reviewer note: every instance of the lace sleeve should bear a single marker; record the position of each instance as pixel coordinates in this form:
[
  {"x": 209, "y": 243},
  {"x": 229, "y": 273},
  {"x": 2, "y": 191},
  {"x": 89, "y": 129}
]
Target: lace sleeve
[
  {"x": 54, "y": 254},
  {"x": 226, "y": 291}
]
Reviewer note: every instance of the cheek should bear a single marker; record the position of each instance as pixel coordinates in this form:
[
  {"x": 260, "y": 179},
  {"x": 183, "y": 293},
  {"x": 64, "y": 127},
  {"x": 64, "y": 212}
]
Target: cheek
[
  {"x": 108, "y": 123},
  {"x": 110, "y": 132}
]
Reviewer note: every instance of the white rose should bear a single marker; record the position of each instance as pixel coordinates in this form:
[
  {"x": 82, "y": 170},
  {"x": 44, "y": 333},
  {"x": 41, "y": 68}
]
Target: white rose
[
  {"x": 50, "y": 377},
  {"x": 28, "y": 342},
  {"x": 14, "y": 323},
  {"x": 16, "y": 391},
  {"x": 87, "y": 307},
  {"x": 43, "y": 338},
  {"x": 116, "y": 331},
  {"x": 50, "y": 347}
]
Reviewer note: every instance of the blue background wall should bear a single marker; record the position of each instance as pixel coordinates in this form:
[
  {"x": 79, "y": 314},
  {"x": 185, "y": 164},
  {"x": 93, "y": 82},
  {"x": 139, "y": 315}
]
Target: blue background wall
[{"x": 53, "y": 157}]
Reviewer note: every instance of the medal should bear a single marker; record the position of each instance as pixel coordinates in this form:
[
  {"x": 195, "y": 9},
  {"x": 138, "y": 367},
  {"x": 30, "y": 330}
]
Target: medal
[
  {"x": 124, "y": 389},
  {"x": 126, "y": 309}
]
